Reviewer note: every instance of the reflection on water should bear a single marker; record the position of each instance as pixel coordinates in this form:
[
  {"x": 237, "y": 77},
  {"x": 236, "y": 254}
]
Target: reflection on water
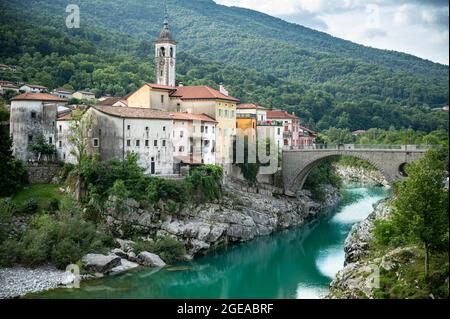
[{"x": 297, "y": 263}]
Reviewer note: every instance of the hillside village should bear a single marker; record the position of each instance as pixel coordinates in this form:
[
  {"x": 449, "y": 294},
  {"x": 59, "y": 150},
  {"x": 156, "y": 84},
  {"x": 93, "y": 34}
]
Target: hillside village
[{"x": 169, "y": 126}]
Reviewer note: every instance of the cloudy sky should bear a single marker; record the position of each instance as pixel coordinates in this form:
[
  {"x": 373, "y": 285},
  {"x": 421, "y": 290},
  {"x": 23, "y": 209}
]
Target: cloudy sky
[{"x": 419, "y": 27}]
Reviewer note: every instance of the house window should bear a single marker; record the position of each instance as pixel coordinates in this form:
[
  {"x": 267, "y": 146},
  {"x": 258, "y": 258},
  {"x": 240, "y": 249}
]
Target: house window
[
  {"x": 33, "y": 115},
  {"x": 50, "y": 140},
  {"x": 95, "y": 142},
  {"x": 30, "y": 138},
  {"x": 206, "y": 129},
  {"x": 164, "y": 143},
  {"x": 128, "y": 143},
  {"x": 155, "y": 143},
  {"x": 162, "y": 98},
  {"x": 60, "y": 144},
  {"x": 213, "y": 129},
  {"x": 202, "y": 129},
  {"x": 146, "y": 143},
  {"x": 279, "y": 131},
  {"x": 138, "y": 143},
  {"x": 226, "y": 113},
  {"x": 181, "y": 133},
  {"x": 220, "y": 112},
  {"x": 60, "y": 128},
  {"x": 181, "y": 149},
  {"x": 164, "y": 128},
  {"x": 64, "y": 156},
  {"x": 128, "y": 127},
  {"x": 232, "y": 113},
  {"x": 100, "y": 132},
  {"x": 146, "y": 128}
]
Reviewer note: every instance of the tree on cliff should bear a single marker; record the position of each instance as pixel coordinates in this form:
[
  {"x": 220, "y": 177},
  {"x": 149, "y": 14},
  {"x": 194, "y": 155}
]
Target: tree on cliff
[{"x": 421, "y": 204}]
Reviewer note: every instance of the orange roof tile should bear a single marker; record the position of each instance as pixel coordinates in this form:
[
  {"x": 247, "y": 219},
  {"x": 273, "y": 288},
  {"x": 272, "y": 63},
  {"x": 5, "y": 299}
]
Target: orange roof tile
[
  {"x": 280, "y": 114},
  {"x": 144, "y": 113},
  {"x": 200, "y": 93},
  {"x": 38, "y": 97}
]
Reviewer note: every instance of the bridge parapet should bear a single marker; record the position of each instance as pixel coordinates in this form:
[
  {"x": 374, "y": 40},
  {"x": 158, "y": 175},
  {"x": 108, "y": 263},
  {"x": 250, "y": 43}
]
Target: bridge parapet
[{"x": 359, "y": 147}]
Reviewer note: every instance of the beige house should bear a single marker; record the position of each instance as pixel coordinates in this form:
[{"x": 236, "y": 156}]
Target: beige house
[
  {"x": 192, "y": 100},
  {"x": 84, "y": 95}
]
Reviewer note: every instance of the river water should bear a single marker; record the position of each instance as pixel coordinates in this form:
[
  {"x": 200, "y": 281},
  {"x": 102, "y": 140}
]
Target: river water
[{"x": 296, "y": 263}]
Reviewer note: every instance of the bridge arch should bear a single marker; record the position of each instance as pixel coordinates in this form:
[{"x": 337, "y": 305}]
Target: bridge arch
[
  {"x": 301, "y": 177},
  {"x": 297, "y": 164}
]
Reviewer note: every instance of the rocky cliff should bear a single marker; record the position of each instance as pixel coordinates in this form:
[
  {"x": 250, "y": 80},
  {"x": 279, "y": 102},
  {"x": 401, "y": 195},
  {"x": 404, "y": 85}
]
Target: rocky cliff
[
  {"x": 352, "y": 174},
  {"x": 238, "y": 217}
]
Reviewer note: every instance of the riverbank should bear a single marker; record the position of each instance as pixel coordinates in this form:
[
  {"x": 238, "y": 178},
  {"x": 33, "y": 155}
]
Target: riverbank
[
  {"x": 238, "y": 217},
  {"x": 375, "y": 272}
]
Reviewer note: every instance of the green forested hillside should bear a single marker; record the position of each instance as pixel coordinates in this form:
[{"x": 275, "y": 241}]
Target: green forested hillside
[{"x": 325, "y": 80}]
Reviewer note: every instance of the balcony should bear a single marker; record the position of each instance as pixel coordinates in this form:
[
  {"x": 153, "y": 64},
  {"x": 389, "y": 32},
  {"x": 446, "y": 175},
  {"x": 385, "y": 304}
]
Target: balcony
[
  {"x": 245, "y": 116},
  {"x": 270, "y": 123}
]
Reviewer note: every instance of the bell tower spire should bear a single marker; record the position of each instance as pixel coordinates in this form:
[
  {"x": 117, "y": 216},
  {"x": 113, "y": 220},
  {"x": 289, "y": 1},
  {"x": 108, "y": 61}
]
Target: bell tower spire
[{"x": 165, "y": 55}]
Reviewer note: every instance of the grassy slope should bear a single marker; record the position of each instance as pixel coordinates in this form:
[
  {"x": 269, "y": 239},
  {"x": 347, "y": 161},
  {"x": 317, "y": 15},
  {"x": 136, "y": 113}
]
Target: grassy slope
[{"x": 43, "y": 194}]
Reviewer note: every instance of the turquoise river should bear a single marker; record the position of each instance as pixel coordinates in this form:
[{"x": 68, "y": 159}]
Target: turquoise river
[{"x": 296, "y": 263}]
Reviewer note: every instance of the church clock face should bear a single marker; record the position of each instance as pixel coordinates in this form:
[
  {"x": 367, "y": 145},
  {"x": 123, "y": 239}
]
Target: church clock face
[
  {"x": 172, "y": 63},
  {"x": 162, "y": 62}
]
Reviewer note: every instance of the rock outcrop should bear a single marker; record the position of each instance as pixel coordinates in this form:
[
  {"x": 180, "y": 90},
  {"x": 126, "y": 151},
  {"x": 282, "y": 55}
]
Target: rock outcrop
[
  {"x": 360, "y": 275},
  {"x": 100, "y": 264},
  {"x": 150, "y": 260},
  {"x": 240, "y": 216},
  {"x": 350, "y": 174}
]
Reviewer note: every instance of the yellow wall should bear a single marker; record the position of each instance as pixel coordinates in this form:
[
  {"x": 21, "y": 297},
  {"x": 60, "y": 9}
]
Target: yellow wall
[
  {"x": 146, "y": 97},
  {"x": 244, "y": 124}
]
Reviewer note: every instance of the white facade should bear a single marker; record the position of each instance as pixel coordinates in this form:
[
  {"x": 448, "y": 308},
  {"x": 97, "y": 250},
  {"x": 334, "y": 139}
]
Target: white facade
[
  {"x": 63, "y": 146},
  {"x": 28, "y": 88},
  {"x": 151, "y": 140},
  {"x": 194, "y": 142},
  {"x": 29, "y": 118}
]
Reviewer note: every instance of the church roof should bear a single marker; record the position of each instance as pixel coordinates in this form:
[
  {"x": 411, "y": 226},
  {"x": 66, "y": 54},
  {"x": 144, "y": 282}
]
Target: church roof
[
  {"x": 201, "y": 93},
  {"x": 165, "y": 35}
]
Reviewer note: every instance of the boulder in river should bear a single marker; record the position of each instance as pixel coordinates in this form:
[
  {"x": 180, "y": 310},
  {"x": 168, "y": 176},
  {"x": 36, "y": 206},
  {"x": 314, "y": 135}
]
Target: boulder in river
[
  {"x": 125, "y": 265},
  {"x": 151, "y": 260},
  {"x": 97, "y": 263}
]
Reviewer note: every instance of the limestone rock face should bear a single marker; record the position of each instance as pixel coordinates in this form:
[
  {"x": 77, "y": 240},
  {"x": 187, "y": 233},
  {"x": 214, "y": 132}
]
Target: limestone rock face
[
  {"x": 351, "y": 174},
  {"x": 359, "y": 276},
  {"x": 97, "y": 263},
  {"x": 238, "y": 217},
  {"x": 150, "y": 260}
]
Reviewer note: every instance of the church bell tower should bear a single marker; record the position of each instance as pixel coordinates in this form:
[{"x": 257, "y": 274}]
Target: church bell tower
[{"x": 165, "y": 56}]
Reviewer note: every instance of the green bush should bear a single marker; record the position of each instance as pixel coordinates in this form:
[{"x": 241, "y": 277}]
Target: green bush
[
  {"x": 169, "y": 249},
  {"x": 62, "y": 238},
  {"x": 6, "y": 213},
  {"x": 161, "y": 189},
  {"x": 29, "y": 207},
  {"x": 66, "y": 252}
]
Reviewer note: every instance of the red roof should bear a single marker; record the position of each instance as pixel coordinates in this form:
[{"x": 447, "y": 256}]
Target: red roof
[
  {"x": 250, "y": 107},
  {"x": 192, "y": 117},
  {"x": 38, "y": 97},
  {"x": 308, "y": 130},
  {"x": 65, "y": 117},
  {"x": 200, "y": 93},
  {"x": 144, "y": 113},
  {"x": 280, "y": 114}
]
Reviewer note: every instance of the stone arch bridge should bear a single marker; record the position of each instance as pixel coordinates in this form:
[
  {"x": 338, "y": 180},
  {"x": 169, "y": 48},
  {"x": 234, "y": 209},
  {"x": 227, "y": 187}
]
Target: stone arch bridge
[{"x": 389, "y": 160}]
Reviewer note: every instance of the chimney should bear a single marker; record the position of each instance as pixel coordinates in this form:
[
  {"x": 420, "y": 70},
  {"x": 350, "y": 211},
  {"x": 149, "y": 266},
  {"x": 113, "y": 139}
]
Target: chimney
[{"x": 222, "y": 89}]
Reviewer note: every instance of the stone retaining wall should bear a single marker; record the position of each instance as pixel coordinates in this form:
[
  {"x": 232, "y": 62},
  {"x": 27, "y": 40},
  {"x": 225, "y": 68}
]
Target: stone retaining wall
[{"x": 42, "y": 173}]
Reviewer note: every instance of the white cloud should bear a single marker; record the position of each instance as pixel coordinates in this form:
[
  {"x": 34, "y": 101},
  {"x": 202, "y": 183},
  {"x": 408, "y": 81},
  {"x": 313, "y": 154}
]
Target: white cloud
[{"x": 411, "y": 26}]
